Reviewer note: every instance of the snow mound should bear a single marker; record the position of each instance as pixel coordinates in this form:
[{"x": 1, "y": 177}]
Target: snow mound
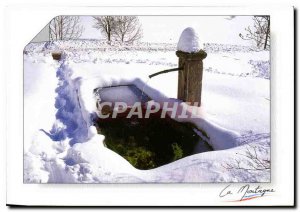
[
  {"x": 69, "y": 117},
  {"x": 188, "y": 41}
]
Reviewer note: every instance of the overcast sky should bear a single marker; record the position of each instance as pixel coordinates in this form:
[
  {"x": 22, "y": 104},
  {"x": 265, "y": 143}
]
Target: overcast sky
[{"x": 212, "y": 29}]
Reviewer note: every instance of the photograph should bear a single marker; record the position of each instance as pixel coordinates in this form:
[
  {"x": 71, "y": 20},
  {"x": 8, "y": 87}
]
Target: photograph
[{"x": 137, "y": 99}]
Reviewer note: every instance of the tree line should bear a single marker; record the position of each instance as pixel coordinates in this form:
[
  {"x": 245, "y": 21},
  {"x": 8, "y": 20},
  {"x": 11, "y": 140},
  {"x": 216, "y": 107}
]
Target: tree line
[
  {"x": 122, "y": 29},
  {"x": 127, "y": 29}
]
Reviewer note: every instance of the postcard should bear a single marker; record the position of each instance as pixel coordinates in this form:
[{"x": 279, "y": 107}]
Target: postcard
[{"x": 151, "y": 100}]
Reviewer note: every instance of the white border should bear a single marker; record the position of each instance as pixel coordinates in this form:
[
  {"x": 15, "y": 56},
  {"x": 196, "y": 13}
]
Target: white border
[{"x": 18, "y": 34}]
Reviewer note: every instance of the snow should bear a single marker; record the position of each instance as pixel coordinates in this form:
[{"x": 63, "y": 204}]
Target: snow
[
  {"x": 188, "y": 41},
  {"x": 62, "y": 146},
  {"x": 128, "y": 94}
]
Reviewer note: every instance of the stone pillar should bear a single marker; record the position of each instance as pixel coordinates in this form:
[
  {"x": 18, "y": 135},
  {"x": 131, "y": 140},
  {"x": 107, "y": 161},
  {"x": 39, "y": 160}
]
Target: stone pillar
[{"x": 190, "y": 78}]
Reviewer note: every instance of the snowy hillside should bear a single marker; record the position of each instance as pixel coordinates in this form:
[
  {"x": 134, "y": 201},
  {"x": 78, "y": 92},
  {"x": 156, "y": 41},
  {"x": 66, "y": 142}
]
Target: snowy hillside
[{"x": 61, "y": 144}]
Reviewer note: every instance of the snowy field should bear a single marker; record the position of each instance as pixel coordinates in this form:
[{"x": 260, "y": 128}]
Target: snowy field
[{"x": 62, "y": 146}]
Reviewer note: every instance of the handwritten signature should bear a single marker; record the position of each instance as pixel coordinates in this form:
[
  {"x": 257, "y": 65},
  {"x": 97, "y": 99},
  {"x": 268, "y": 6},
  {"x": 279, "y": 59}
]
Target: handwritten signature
[{"x": 245, "y": 192}]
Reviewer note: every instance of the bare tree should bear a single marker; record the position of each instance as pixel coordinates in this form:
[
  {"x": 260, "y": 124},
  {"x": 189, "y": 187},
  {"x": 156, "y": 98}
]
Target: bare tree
[
  {"x": 65, "y": 28},
  {"x": 254, "y": 162},
  {"x": 106, "y": 25},
  {"x": 259, "y": 32},
  {"x": 127, "y": 29}
]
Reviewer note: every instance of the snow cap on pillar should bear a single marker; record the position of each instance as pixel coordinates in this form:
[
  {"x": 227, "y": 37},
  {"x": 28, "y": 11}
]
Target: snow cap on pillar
[{"x": 188, "y": 41}]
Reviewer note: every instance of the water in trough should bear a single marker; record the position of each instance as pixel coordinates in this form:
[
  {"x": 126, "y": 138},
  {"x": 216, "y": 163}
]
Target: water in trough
[{"x": 146, "y": 142}]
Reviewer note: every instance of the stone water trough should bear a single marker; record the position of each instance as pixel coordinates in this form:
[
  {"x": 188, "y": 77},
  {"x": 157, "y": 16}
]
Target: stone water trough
[{"x": 145, "y": 142}]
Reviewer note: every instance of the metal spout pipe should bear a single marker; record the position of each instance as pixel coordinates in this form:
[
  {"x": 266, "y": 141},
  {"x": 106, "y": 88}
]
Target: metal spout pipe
[{"x": 165, "y": 71}]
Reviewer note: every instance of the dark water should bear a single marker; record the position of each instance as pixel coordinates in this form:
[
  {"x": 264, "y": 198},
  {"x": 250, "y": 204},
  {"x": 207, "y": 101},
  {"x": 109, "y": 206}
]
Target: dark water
[
  {"x": 152, "y": 142},
  {"x": 149, "y": 142}
]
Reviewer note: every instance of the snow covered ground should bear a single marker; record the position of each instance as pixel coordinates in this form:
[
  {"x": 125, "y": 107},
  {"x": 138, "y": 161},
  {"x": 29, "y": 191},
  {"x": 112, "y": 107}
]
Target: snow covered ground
[{"x": 62, "y": 146}]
